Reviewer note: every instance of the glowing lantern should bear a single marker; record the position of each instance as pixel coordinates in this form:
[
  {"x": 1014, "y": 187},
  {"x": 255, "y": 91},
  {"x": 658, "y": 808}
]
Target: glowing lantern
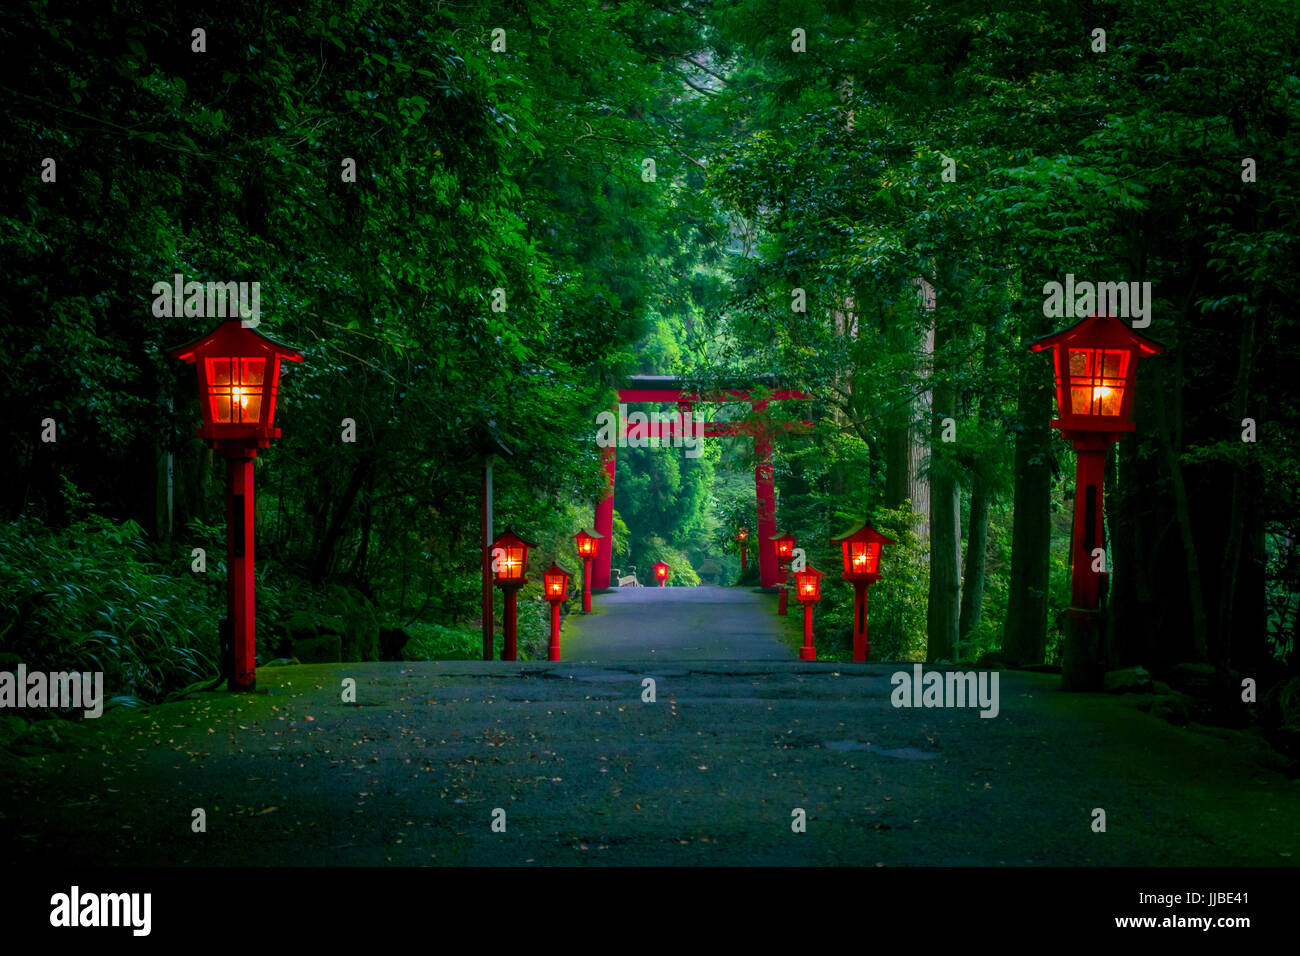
[
  {"x": 510, "y": 558},
  {"x": 587, "y": 543},
  {"x": 861, "y": 551},
  {"x": 509, "y": 564},
  {"x": 239, "y": 375},
  {"x": 783, "y": 542},
  {"x": 555, "y": 582},
  {"x": 742, "y": 536},
  {"x": 1096, "y": 369},
  {"x": 1096, "y": 366},
  {"x": 808, "y": 591},
  {"x": 661, "y": 572},
  {"x": 860, "y": 547},
  {"x": 808, "y": 585}
]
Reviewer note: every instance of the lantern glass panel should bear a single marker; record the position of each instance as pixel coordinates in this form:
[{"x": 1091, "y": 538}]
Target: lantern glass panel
[
  {"x": 862, "y": 557},
  {"x": 1097, "y": 380},
  {"x": 235, "y": 389},
  {"x": 511, "y": 564}
]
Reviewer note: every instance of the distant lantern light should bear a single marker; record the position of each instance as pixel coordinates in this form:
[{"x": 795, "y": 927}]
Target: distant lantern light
[
  {"x": 556, "y": 582},
  {"x": 784, "y": 544},
  {"x": 808, "y": 585},
  {"x": 587, "y": 542},
  {"x": 509, "y": 565},
  {"x": 661, "y": 572},
  {"x": 808, "y": 591},
  {"x": 555, "y": 587}
]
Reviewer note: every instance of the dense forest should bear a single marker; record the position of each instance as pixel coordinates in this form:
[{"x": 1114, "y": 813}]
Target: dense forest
[{"x": 475, "y": 220}]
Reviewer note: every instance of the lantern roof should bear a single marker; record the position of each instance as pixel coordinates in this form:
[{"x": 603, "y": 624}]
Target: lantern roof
[
  {"x": 590, "y": 534},
  {"x": 809, "y": 570},
  {"x": 782, "y": 535},
  {"x": 232, "y": 337},
  {"x": 556, "y": 569},
  {"x": 1099, "y": 331},
  {"x": 664, "y": 565},
  {"x": 863, "y": 531},
  {"x": 507, "y": 538}
]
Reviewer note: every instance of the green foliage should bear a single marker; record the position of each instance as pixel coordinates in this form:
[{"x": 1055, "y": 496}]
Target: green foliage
[{"x": 96, "y": 597}]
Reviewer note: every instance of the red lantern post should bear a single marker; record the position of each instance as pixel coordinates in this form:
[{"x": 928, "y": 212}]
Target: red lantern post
[
  {"x": 808, "y": 591},
  {"x": 587, "y": 545},
  {"x": 239, "y": 375},
  {"x": 661, "y": 572},
  {"x": 860, "y": 546},
  {"x": 783, "y": 542},
  {"x": 509, "y": 564},
  {"x": 742, "y": 536},
  {"x": 1096, "y": 369},
  {"x": 555, "y": 581}
]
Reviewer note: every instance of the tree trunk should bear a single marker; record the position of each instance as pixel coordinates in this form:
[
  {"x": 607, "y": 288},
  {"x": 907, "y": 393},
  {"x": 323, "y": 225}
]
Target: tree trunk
[
  {"x": 943, "y": 612},
  {"x": 1024, "y": 635},
  {"x": 1237, "y": 508},
  {"x": 324, "y": 557},
  {"x": 973, "y": 580}
]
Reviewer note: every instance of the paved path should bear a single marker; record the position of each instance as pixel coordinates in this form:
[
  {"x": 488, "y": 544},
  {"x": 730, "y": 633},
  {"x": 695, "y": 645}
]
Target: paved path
[
  {"x": 587, "y": 772},
  {"x": 703, "y": 623}
]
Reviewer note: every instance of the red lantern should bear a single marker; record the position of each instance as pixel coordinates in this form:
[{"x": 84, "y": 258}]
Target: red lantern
[
  {"x": 239, "y": 375},
  {"x": 784, "y": 543},
  {"x": 1096, "y": 370},
  {"x": 510, "y": 558},
  {"x": 742, "y": 536},
  {"x": 1096, "y": 367},
  {"x": 555, "y": 581},
  {"x": 509, "y": 563},
  {"x": 860, "y": 547},
  {"x": 861, "y": 552},
  {"x": 808, "y": 585},
  {"x": 587, "y": 542},
  {"x": 661, "y": 572},
  {"x": 808, "y": 591}
]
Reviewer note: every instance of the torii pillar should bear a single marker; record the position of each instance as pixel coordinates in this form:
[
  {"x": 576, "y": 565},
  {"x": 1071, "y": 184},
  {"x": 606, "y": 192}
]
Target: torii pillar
[{"x": 665, "y": 389}]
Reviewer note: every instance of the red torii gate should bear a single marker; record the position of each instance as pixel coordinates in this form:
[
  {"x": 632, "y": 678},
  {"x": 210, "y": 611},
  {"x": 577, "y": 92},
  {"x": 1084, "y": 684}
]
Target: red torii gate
[{"x": 664, "y": 388}]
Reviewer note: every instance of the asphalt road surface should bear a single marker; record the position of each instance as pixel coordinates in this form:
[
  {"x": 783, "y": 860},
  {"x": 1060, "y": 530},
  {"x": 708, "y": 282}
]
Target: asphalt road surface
[
  {"x": 587, "y": 771},
  {"x": 654, "y": 623}
]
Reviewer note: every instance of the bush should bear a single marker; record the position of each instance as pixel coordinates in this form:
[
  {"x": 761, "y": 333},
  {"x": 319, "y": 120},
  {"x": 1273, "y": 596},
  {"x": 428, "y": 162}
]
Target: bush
[{"x": 96, "y": 597}]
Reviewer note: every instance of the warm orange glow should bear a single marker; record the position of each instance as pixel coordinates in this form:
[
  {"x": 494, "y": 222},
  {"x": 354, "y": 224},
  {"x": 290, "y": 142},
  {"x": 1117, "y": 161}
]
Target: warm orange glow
[
  {"x": 1097, "y": 379},
  {"x": 235, "y": 389}
]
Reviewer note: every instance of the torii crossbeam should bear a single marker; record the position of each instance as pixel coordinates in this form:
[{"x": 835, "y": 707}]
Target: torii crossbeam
[{"x": 666, "y": 388}]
